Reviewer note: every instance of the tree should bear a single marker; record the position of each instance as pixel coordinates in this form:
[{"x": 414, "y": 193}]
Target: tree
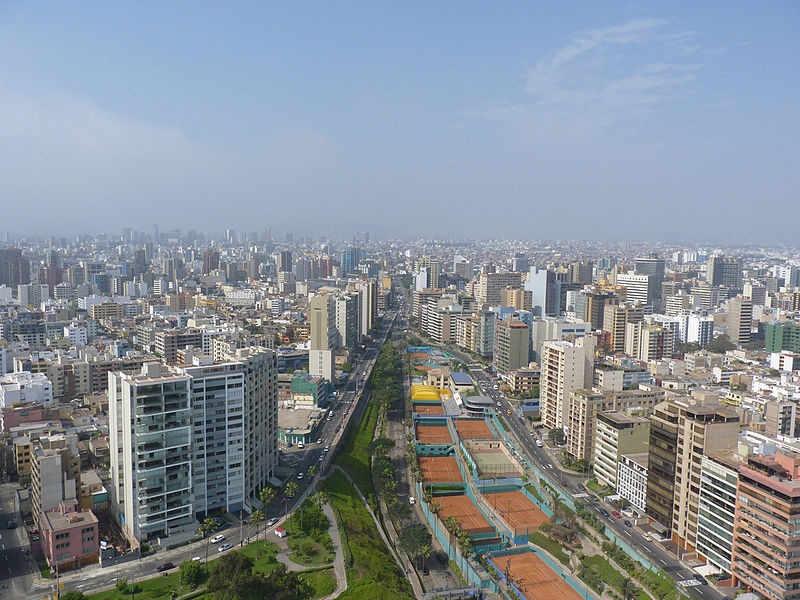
[
  {"x": 191, "y": 573},
  {"x": 312, "y": 471},
  {"x": 122, "y": 585},
  {"x": 399, "y": 512},
  {"x": 721, "y": 344},
  {"x": 413, "y": 540},
  {"x": 282, "y": 584},
  {"x": 207, "y": 527},
  {"x": 73, "y": 595},
  {"x": 232, "y": 578},
  {"x": 267, "y": 495},
  {"x": 290, "y": 489},
  {"x": 557, "y": 435},
  {"x": 628, "y": 588},
  {"x": 257, "y": 517}
]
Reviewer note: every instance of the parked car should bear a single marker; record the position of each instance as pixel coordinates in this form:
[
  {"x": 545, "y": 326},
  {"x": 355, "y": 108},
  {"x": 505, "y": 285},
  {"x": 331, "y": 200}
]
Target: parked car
[
  {"x": 224, "y": 547},
  {"x": 165, "y": 567},
  {"x": 425, "y": 570},
  {"x": 196, "y": 559},
  {"x": 217, "y": 539},
  {"x": 700, "y": 579},
  {"x": 301, "y": 475},
  {"x": 272, "y": 521},
  {"x": 628, "y": 523}
]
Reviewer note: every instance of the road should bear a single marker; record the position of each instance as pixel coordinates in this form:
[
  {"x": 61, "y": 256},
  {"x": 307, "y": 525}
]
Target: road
[{"x": 16, "y": 566}]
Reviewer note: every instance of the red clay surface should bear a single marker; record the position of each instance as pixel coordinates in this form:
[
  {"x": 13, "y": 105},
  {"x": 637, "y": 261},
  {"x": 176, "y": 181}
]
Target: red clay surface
[
  {"x": 428, "y": 409},
  {"x": 419, "y": 356},
  {"x": 517, "y": 511},
  {"x": 531, "y": 575},
  {"x": 440, "y": 469},
  {"x": 433, "y": 434},
  {"x": 462, "y": 508},
  {"x": 473, "y": 429}
]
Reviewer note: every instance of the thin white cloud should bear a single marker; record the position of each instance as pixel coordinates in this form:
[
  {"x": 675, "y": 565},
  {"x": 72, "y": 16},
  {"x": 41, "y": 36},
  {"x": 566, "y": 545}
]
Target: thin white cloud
[{"x": 609, "y": 77}]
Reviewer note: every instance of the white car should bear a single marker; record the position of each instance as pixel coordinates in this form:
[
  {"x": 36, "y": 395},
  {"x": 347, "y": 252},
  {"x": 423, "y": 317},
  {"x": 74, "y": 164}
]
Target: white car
[
  {"x": 195, "y": 559},
  {"x": 539, "y": 443},
  {"x": 217, "y": 539},
  {"x": 301, "y": 475},
  {"x": 499, "y": 403}
]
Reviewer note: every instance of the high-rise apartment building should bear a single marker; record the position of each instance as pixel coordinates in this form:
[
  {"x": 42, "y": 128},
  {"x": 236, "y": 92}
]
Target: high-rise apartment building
[
  {"x": 511, "y": 345},
  {"x": 653, "y": 266},
  {"x": 782, "y": 336},
  {"x": 616, "y": 434},
  {"x": 551, "y": 329},
  {"x": 150, "y": 436},
  {"x": 346, "y": 319},
  {"x": 615, "y": 320},
  {"x": 491, "y": 286},
  {"x": 740, "y": 320},
  {"x": 545, "y": 290},
  {"x": 639, "y": 288},
  {"x": 565, "y": 366},
  {"x": 431, "y": 270},
  {"x": 719, "y": 476},
  {"x": 217, "y": 416},
  {"x": 590, "y": 306},
  {"x": 764, "y": 557}
]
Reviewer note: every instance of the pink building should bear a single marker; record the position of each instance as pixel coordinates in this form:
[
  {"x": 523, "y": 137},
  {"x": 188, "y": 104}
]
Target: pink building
[{"x": 69, "y": 538}]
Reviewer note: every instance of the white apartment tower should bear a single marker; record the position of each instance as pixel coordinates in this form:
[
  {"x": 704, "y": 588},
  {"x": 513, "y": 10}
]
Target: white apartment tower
[
  {"x": 565, "y": 366},
  {"x": 150, "y": 436}
]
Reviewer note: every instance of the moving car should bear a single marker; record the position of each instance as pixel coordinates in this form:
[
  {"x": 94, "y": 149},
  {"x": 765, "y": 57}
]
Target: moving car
[
  {"x": 616, "y": 514},
  {"x": 224, "y": 547},
  {"x": 539, "y": 443},
  {"x": 217, "y": 539},
  {"x": 628, "y": 523},
  {"x": 272, "y": 521},
  {"x": 301, "y": 475},
  {"x": 165, "y": 567},
  {"x": 604, "y": 512}
]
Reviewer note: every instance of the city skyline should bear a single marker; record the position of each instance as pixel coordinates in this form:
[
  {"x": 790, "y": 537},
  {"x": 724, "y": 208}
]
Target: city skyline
[{"x": 675, "y": 122}]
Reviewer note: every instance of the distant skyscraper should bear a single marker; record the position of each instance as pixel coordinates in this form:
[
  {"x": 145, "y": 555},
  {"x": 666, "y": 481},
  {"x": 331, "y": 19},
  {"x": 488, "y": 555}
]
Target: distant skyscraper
[
  {"x": 654, "y": 267},
  {"x": 546, "y": 292},
  {"x": 14, "y": 268},
  {"x": 285, "y": 261},
  {"x": 725, "y": 272},
  {"x": 740, "y": 320},
  {"x": 349, "y": 261}
]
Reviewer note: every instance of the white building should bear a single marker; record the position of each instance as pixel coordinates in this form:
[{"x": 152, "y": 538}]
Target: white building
[
  {"x": 565, "y": 366},
  {"x": 150, "y": 439},
  {"x": 632, "y": 479},
  {"x": 76, "y": 334},
  {"x": 217, "y": 396},
  {"x": 553, "y": 329},
  {"x": 699, "y": 330},
  {"x": 717, "y": 502},
  {"x": 21, "y": 387}
]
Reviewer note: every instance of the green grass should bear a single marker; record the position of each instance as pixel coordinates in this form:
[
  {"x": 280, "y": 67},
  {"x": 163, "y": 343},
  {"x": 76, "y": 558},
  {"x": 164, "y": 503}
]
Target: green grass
[
  {"x": 311, "y": 551},
  {"x": 553, "y": 547},
  {"x": 353, "y": 456},
  {"x": 263, "y": 555},
  {"x": 371, "y": 570},
  {"x": 534, "y": 492},
  {"x": 154, "y": 588},
  {"x": 322, "y": 582}
]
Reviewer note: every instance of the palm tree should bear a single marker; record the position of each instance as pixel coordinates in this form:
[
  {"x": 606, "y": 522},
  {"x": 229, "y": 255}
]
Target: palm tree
[
  {"x": 628, "y": 588},
  {"x": 257, "y": 517},
  {"x": 267, "y": 495},
  {"x": 206, "y": 527},
  {"x": 312, "y": 471},
  {"x": 290, "y": 491}
]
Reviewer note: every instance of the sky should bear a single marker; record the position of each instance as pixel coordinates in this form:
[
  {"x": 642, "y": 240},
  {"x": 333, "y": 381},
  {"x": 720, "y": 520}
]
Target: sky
[{"x": 672, "y": 121}]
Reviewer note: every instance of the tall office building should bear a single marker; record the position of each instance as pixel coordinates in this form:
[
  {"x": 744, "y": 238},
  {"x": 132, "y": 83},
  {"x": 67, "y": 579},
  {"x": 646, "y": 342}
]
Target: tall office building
[
  {"x": 719, "y": 475},
  {"x": 462, "y": 267},
  {"x": 740, "y": 320},
  {"x": 638, "y": 288},
  {"x": 347, "y": 324},
  {"x": 617, "y": 433},
  {"x": 654, "y": 267},
  {"x": 285, "y": 261},
  {"x": 349, "y": 262},
  {"x": 699, "y": 330},
  {"x": 565, "y": 366},
  {"x": 491, "y": 286},
  {"x": 150, "y": 436},
  {"x": 615, "y": 320},
  {"x": 14, "y": 268},
  {"x": 590, "y": 306},
  {"x": 324, "y": 336},
  {"x": 430, "y": 267},
  {"x": 367, "y": 303},
  {"x": 545, "y": 290},
  {"x": 511, "y": 346},
  {"x": 724, "y": 271}
]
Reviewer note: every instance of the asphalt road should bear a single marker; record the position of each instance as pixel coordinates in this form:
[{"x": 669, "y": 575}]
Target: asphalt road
[{"x": 16, "y": 567}]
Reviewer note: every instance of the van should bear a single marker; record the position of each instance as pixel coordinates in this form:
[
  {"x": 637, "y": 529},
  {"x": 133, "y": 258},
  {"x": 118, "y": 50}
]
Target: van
[{"x": 412, "y": 501}]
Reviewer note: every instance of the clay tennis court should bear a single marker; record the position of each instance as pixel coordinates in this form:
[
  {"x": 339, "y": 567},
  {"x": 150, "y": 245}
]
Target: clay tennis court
[
  {"x": 462, "y": 508},
  {"x": 428, "y": 409},
  {"x": 519, "y": 513},
  {"x": 433, "y": 434},
  {"x": 440, "y": 469},
  {"x": 419, "y": 356},
  {"x": 473, "y": 429},
  {"x": 531, "y": 575}
]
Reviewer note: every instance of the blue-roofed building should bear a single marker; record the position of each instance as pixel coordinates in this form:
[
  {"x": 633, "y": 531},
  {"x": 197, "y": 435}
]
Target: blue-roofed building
[{"x": 460, "y": 382}]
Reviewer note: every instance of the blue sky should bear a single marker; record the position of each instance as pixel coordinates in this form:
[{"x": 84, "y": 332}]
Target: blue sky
[{"x": 670, "y": 121}]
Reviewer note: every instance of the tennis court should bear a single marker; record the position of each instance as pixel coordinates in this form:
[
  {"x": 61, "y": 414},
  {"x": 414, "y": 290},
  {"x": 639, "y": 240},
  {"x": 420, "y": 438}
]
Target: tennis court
[
  {"x": 518, "y": 512},
  {"x": 463, "y": 508},
  {"x": 428, "y": 409},
  {"x": 440, "y": 469},
  {"x": 531, "y": 576},
  {"x": 492, "y": 459},
  {"x": 473, "y": 429},
  {"x": 433, "y": 434}
]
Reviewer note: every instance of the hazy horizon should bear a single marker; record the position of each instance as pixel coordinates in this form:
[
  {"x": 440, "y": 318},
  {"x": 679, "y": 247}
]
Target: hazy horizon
[{"x": 620, "y": 121}]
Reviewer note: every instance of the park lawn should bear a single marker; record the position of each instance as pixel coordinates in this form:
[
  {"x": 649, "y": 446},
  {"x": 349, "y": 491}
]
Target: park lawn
[
  {"x": 155, "y": 588},
  {"x": 371, "y": 570},
  {"x": 610, "y": 575},
  {"x": 322, "y": 582},
  {"x": 353, "y": 456},
  {"x": 263, "y": 555},
  {"x": 552, "y": 546},
  {"x": 310, "y": 551}
]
